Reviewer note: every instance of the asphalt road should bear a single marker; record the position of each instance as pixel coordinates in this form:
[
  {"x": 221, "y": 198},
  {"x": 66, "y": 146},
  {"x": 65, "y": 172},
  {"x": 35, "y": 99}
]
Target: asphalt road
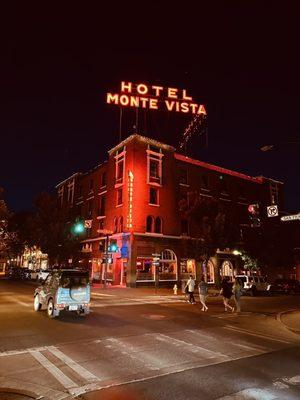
[{"x": 150, "y": 347}]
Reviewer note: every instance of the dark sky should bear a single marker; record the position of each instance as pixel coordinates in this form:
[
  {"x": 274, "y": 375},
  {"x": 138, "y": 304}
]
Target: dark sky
[{"x": 241, "y": 59}]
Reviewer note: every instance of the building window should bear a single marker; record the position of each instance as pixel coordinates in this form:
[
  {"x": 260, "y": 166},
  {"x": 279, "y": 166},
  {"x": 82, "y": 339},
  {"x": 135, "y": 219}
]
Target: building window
[
  {"x": 101, "y": 210},
  {"x": 274, "y": 192},
  {"x": 227, "y": 269},
  {"x": 168, "y": 266},
  {"x": 120, "y": 162},
  {"x": 103, "y": 179},
  {"x": 149, "y": 224},
  {"x": 115, "y": 225},
  {"x": 61, "y": 195},
  {"x": 70, "y": 194},
  {"x": 223, "y": 184},
  {"x": 183, "y": 176},
  {"x": 79, "y": 210},
  {"x": 154, "y": 167},
  {"x": 90, "y": 208},
  {"x": 153, "y": 196},
  {"x": 208, "y": 270},
  {"x": 80, "y": 191},
  {"x": 119, "y": 197},
  {"x": 145, "y": 270},
  {"x": 91, "y": 185},
  {"x": 204, "y": 182},
  {"x": 101, "y": 224},
  {"x": 120, "y": 224},
  {"x": 241, "y": 189},
  {"x": 185, "y": 227},
  {"x": 158, "y": 225}
]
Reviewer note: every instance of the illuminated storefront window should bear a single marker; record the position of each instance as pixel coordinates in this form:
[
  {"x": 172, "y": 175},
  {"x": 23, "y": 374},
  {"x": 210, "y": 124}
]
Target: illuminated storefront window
[
  {"x": 227, "y": 269},
  {"x": 187, "y": 267},
  {"x": 145, "y": 271},
  {"x": 168, "y": 266},
  {"x": 208, "y": 270}
]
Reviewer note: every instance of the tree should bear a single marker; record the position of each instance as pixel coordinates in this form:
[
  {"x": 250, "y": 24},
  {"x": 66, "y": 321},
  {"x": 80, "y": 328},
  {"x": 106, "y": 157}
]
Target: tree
[
  {"x": 215, "y": 225},
  {"x": 51, "y": 230},
  {"x": 7, "y": 237}
]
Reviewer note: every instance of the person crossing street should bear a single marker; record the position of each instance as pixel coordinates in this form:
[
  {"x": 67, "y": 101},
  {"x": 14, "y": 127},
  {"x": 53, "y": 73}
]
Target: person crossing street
[{"x": 190, "y": 286}]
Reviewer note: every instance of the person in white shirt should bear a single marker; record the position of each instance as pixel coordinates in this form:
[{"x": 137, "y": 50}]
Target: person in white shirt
[{"x": 190, "y": 286}]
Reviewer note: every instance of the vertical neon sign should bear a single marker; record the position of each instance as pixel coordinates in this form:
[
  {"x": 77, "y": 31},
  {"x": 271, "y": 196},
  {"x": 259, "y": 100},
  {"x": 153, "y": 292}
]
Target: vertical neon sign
[{"x": 130, "y": 198}]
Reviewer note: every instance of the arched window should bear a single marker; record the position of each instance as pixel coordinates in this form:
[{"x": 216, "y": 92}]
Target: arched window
[
  {"x": 115, "y": 225},
  {"x": 168, "y": 266},
  {"x": 158, "y": 225},
  {"x": 227, "y": 269},
  {"x": 120, "y": 224},
  {"x": 210, "y": 271},
  {"x": 149, "y": 224}
]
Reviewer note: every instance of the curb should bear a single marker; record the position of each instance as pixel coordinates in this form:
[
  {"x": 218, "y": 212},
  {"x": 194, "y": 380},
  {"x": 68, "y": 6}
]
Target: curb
[{"x": 279, "y": 319}]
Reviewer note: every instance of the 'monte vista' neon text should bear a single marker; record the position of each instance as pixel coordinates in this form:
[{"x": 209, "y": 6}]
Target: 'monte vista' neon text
[{"x": 152, "y": 97}]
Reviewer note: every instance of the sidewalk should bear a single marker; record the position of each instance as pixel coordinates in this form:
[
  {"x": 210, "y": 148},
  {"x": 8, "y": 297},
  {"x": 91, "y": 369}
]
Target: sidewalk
[
  {"x": 122, "y": 292},
  {"x": 291, "y": 320}
]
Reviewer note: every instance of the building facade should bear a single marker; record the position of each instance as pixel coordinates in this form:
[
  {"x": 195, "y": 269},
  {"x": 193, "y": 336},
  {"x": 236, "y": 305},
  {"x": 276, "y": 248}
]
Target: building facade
[{"x": 136, "y": 199}]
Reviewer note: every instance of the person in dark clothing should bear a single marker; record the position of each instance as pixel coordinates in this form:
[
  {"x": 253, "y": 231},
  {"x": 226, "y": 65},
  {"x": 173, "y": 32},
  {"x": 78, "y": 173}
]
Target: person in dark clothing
[{"x": 226, "y": 292}]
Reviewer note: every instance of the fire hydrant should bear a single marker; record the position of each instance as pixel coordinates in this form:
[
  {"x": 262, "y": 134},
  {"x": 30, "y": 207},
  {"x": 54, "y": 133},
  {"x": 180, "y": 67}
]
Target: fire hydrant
[{"x": 175, "y": 289}]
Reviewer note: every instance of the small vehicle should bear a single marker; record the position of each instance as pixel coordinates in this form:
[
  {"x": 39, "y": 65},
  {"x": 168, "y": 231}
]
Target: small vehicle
[
  {"x": 42, "y": 274},
  {"x": 24, "y": 273},
  {"x": 253, "y": 284},
  {"x": 34, "y": 274},
  {"x": 64, "y": 290},
  {"x": 284, "y": 286}
]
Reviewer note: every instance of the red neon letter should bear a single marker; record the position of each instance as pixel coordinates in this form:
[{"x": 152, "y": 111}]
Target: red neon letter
[
  {"x": 193, "y": 107},
  {"x": 142, "y": 89},
  {"x": 201, "y": 110},
  {"x": 172, "y": 93},
  {"x": 170, "y": 105},
  {"x": 134, "y": 101},
  {"x": 126, "y": 87},
  {"x": 184, "y": 107},
  {"x": 124, "y": 100},
  {"x": 157, "y": 89},
  {"x": 153, "y": 104},
  {"x": 112, "y": 98},
  {"x": 144, "y": 101},
  {"x": 185, "y": 97}
]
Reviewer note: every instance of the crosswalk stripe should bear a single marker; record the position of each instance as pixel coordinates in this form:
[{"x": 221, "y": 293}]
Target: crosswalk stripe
[
  {"x": 206, "y": 337},
  {"x": 84, "y": 373},
  {"x": 250, "y": 394},
  {"x": 193, "y": 348},
  {"x": 234, "y": 329},
  {"x": 129, "y": 351},
  {"x": 56, "y": 372}
]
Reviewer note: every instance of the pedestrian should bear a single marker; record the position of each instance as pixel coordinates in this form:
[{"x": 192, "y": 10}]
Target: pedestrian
[
  {"x": 226, "y": 292},
  {"x": 203, "y": 291},
  {"x": 237, "y": 293},
  {"x": 190, "y": 286}
]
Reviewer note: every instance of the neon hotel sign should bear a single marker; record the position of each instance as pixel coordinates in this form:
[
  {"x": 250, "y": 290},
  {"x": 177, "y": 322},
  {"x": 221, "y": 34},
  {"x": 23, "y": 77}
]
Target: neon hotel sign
[{"x": 154, "y": 97}]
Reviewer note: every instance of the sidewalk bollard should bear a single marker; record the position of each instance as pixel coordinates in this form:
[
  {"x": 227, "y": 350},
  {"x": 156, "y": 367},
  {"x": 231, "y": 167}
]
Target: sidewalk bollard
[{"x": 175, "y": 289}]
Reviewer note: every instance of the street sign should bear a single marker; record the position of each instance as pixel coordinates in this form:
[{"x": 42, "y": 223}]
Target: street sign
[
  {"x": 293, "y": 217},
  {"x": 105, "y": 231},
  {"x": 88, "y": 223},
  {"x": 272, "y": 211}
]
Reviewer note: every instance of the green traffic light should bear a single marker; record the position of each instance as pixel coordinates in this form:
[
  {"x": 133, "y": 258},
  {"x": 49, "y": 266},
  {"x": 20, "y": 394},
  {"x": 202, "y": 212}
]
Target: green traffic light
[{"x": 79, "y": 227}]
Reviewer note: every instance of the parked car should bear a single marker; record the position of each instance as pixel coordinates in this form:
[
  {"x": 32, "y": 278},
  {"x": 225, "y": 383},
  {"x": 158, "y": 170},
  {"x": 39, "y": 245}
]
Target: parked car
[
  {"x": 24, "y": 273},
  {"x": 14, "y": 273},
  {"x": 284, "y": 286},
  {"x": 253, "y": 284},
  {"x": 34, "y": 274},
  {"x": 64, "y": 290}
]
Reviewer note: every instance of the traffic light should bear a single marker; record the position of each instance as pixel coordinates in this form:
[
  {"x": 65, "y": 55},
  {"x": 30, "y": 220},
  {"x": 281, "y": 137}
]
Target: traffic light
[
  {"x": 78, "y": 228},
  {"x": 254, "y": 215},
  {"x": 113, "y": 248}
]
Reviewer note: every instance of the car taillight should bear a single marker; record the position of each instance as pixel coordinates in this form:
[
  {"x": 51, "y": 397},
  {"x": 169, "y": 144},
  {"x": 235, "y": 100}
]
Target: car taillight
[{"x": 62, "y": 305}]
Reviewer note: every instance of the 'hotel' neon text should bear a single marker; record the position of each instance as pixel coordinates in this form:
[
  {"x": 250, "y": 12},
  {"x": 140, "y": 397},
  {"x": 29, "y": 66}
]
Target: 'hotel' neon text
[{"x": 151, "y": 97}]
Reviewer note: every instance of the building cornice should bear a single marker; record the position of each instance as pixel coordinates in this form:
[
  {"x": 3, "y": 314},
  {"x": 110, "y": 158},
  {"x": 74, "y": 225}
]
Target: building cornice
[{"x": 143, "y": 139}]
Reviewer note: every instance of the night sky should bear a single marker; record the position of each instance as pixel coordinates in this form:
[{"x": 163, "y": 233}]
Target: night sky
[{"x": 240, "y": 60}]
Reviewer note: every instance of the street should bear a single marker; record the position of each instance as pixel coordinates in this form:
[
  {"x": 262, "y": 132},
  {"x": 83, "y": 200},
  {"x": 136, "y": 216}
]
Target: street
[{"x": 141, "y": 345}]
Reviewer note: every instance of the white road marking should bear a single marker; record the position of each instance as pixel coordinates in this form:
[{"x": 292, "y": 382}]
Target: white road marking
[
  {"x": 131, "y": 352},
  {"x": 206, "y": 337},
  {"x": 21, "y": 351},
  {"x": 56, "y": 372},
  {"x": 22, "y": 303},
  {"x": 295, "y": 380},
  {"x": 192, "y": 347},
  {"x": 261, "y": 335},
  {"x": 84, "y": 373},
  {"x": 250, "y": 394},
  {"x": 102, "y": 294}
]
